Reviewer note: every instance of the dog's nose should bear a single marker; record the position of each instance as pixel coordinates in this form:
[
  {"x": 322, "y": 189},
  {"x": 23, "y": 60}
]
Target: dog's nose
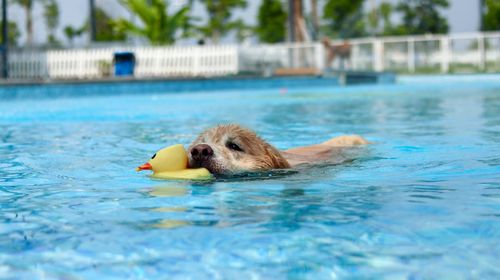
[{"x": 201, "y": 152}]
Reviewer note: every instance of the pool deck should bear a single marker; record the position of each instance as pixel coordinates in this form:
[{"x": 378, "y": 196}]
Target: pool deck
[{"x": 52, "y": 88}]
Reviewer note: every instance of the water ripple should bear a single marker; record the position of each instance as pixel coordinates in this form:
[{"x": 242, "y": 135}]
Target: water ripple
[{"x": 421, "y": 202}]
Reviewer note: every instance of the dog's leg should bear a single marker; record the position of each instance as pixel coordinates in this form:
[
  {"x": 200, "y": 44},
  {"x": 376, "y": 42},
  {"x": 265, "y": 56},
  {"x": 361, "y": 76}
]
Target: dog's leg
[{"x": 346, "y": 141}]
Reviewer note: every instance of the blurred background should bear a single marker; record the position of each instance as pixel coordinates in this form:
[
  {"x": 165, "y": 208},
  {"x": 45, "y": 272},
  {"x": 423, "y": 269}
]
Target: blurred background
[{"x": 79, "y": 39}]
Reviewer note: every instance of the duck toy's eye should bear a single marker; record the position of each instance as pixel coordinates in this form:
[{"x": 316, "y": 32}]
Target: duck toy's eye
[{"x": 153, "y": 156}]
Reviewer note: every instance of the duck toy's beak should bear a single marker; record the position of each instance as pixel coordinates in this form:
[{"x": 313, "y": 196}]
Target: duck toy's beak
[{"x": 146, "y": 166}]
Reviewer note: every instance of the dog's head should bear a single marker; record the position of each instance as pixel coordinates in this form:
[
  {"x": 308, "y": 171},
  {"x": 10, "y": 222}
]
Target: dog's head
[{"x": 230, "y": 149}]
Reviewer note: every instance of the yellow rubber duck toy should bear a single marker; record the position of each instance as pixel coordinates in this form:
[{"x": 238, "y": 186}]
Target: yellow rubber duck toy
[{"x": 172, "y": 163}]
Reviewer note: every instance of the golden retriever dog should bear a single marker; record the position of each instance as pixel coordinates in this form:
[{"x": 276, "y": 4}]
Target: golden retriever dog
[{"x": 232, "y": 149}]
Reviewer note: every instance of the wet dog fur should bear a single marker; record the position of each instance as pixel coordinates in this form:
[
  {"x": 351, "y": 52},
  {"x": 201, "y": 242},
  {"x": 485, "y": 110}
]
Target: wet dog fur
[{"x": 232, "y": 149}]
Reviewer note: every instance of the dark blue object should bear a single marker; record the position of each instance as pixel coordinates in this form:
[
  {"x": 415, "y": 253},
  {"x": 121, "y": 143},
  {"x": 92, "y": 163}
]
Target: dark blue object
[{"x": 124, "y": 63}]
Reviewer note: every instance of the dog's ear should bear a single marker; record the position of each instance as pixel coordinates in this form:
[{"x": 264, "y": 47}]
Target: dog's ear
[{"x": 276, "y": 160}]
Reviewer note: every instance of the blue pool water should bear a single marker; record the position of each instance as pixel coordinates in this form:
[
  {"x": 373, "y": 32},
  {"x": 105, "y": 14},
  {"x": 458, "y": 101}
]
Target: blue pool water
[{"x": 422, "y": 202}]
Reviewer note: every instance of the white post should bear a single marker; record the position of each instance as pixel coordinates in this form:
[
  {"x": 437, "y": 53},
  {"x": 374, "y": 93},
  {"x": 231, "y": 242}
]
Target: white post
[
  {"x": 196, "y": 60},
  {"x": 482, "y": 53},
  {"x": 411, "y": 55},
  {"x": 354, "y": 56},
  {"x": 156, "y": 54},
  {"x": 378, "y": 55},
  {"x": 445, "y": 54},
  {"x": 319, "y": 52},
  {"x": 82, "y": 71},
  {"x": 236, "y": 59}
]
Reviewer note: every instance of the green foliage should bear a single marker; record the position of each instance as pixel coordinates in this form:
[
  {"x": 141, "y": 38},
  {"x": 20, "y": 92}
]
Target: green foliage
[
  {"x": 73, "y": 32},
  {"x": 219, "y": 21},
  {"x": 344, "y": 18},
  {"x": 53, "y": 41},
  {"x": 51, "y": 15},
  {"x": 27, "y": 5},
  {"x": 491, "y": 19},
  {"x": 157, "y": 25},
  {"x": 421, "y": 17},
  {"x": 381, "y": 21},
  {"x": 13, "y": 34},
  {"x": 105, "y": 67},
  {"x": 272, "y": 18},
  {"x": 107, "y": 30},
  {"x": 385, "y": 11},
  {"x": 23, "y": 3},
  {"x": 418, "y": 16}
]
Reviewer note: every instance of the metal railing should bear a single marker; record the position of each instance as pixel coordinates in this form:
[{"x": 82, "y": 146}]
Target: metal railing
[
  {"x": 267, "y": 58},
  {"x": 467, "y": 52}
]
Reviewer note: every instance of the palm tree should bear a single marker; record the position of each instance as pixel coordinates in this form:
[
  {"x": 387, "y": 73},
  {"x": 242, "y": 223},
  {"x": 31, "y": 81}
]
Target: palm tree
[
  {"x": 298, "y": 23},
  {"x": 74, "y": 32},
  {"x": 93, "y": 31},
  {"x": 315, "y": 18},
  {"x": 27, "y": 5},
  {"x": 51, "y": 15},
  {"x": 157, "y": 25},
  {"x": 481, "y": 15}
]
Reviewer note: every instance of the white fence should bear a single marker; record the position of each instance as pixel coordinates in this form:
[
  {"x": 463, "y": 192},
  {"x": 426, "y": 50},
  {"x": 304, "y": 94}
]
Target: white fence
[
  {"x": 469, "y": 52},
  {"x": 473, "y": 52},
  {"x": 267, "y": 58},
  {"x": 150, "y": 62}
]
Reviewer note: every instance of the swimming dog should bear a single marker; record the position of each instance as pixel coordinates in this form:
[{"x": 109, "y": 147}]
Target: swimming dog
[{"x": 231, "y": 149}]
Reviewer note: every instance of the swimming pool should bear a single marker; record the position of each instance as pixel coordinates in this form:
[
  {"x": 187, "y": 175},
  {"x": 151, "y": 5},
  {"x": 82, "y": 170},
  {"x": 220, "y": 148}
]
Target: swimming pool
[{"x": 422, "y": 202}]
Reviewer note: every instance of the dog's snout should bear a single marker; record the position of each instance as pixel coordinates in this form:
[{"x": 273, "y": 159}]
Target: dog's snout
[{"x": 201, "y": 152}]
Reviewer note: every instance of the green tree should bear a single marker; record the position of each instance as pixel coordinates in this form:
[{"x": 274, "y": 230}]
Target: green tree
[
  {"x": 271, "y": 27},
  {"x": 106, "y": 28},
  {"x": 373, "y": 19},
  {"x": 380, "y": 20},
  {"x": 27, "y": 5},
  {"x": 344, "y": 18},
  {"x": 13, "y": 34},
  {"x": 220, "y": 22},
  {"x": 156, "y": 24},
  {"x": 491, "y": 18},
  {"x": 51, "y": 15},
  {"x": 74, "y": 32},
  {"x": 385, "y": 10},
  {"x": 422, "y": 16}
]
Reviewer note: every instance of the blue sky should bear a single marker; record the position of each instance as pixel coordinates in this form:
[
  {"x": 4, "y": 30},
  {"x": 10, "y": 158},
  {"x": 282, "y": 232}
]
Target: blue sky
[{"x": 462, "y": 15}]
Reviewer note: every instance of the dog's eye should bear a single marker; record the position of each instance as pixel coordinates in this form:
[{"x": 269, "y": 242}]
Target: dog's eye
[
  {"x": 234, "y": 147},
  {"x": 153, "y": 156}
]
